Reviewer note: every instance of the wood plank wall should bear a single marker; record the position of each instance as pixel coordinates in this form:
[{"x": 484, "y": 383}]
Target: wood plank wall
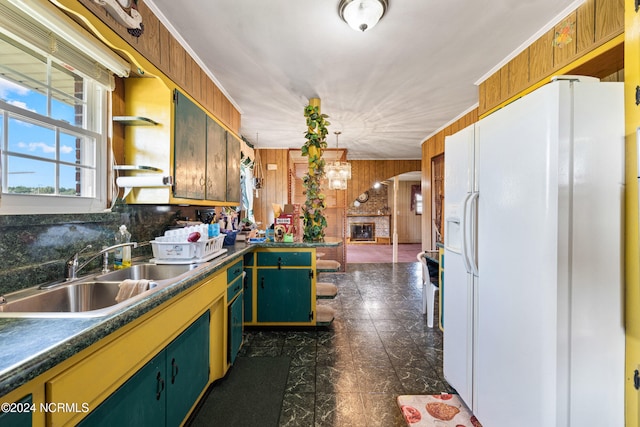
[
  {"x": 431, "y": 148},
  {"x": 591, "y": 25},
  {"x": 409, "y": 222},
  {"x": 364, "y": 173},
  {"x": 275, "y": 187},
  {"x": 160, "y": 48}
]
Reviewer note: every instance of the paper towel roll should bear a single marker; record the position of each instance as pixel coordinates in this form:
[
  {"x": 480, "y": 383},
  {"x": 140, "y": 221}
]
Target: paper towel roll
[
  {"x": 129, "y": 182},
  {"x": 144, "y": 181}
]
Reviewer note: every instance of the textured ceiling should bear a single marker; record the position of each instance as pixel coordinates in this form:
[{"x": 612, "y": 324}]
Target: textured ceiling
[{"x": 386, "y": 89}]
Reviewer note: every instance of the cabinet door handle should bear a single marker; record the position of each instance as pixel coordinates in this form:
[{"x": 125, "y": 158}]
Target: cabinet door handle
[
  {"x": 262, "y": 283},
  {"x": 159, "y": 386},
  {"x": 279, "y": 263},
  {"x": 174, "y": 370}
]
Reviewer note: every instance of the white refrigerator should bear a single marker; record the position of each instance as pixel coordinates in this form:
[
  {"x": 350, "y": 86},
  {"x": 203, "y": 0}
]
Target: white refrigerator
[{"x": 533, "y": 288}]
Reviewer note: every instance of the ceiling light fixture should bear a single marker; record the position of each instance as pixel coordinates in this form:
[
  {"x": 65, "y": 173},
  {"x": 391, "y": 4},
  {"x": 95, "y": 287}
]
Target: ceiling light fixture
[
  {"x": 362, "y": 15},
  {"x": 338, "y": 172}
]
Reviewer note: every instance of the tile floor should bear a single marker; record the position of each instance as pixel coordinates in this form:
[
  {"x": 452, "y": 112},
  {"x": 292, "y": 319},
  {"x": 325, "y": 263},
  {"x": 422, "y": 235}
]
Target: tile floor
[{"x": 378, "y": 347}]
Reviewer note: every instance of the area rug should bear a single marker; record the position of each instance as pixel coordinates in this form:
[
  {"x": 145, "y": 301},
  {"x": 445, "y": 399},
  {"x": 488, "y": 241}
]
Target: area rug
[
  {"x": 441, "y": 410},
  {"x": 250, "y": 395},
  {"x": 375, "y": 253}
]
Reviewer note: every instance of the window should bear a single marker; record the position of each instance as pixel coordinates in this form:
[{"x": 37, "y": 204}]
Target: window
[{"x": 53, "y": 143}]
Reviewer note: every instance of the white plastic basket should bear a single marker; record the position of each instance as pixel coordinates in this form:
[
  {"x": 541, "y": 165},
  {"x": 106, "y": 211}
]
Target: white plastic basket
[{"x": 167, "y": 250}]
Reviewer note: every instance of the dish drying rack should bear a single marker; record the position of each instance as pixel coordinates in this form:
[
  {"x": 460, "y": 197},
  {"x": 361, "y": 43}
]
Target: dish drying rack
[{"x": 169, "y": 249}]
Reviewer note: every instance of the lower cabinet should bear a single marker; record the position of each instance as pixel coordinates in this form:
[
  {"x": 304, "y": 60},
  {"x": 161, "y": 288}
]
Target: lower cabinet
[
  {"x": 235, "y": 302},
  {"x": 163, "y": 391},
  {"x": 248, "y": 287},
  {"x": 19, "y": 413},
  {"x": 284, "y": 295},
  {"x": 235, "y": 329},
  {"x": 280, "y": 288}
]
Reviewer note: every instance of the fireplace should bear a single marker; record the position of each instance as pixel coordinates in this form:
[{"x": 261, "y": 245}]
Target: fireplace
[{"x": 363, "y": 231}]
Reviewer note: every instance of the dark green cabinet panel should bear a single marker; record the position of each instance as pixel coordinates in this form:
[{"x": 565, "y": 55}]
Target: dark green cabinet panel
[
  {"x": 162, "y": 391},
  {"x": 284, "y": 259},
  {"x": 284, "y": 295},
  {"x": 187, "y": 369},
  {"x": 216, "y": 161},
  {"x": 234, "y": 271},
  {"x": 138, "y": 402},
  {"x": 21, "y": 418},
  {"x": 248, "y": 295},
  {"x": 190, "y": 149},
  {"x": 235, "y": 328},
  {"x": 206, "y": 156},
  {"x": 233, "y": 169},
  {"x": 249, "y": 259}
]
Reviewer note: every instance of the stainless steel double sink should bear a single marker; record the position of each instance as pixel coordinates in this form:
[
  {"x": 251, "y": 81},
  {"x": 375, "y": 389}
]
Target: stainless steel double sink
[{"x": 92, "y": 296}]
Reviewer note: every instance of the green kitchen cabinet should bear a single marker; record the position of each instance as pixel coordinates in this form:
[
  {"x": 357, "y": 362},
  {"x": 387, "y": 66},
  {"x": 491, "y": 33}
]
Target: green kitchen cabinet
[
  {"x": 247, "y": 293},
  {"x": 284, "y": 295},
  {"x": 284, "y": 259},
  {"x": 163, "y": 391},
  {"x": 187, "y": 369},
  {"x": 20, "y": 415},
  {"x": 190, "y": 154},
  {"x": 280, "y": 287},
  {"x": 235, "y": 328},
  {"x": 235, "y": 302}
]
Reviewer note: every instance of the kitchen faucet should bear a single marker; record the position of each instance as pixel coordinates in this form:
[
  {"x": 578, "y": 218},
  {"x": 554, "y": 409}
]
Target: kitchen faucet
[{"x": 71, "y": 266}]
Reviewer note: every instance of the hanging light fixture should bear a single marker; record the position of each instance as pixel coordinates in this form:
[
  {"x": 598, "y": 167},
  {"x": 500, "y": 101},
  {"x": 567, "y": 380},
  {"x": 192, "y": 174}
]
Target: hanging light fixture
[
  {"x": 362, "y": 15},
  {"x": 338, "y": 172}
]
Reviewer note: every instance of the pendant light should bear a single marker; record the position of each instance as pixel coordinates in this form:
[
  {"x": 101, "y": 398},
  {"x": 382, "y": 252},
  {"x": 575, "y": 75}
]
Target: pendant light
[{"x": 338, "y": 172}]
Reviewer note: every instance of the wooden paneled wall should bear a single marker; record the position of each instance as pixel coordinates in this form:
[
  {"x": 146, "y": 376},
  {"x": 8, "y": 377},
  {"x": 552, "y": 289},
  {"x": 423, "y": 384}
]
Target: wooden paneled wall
[
  {"x": 161, "y": 49},
  {"x": 591, "y": 25},
  {"x": 409, "y": 223},
  {"x": 275, "y": 186},
  {"x": 433, "y": 147},
  {"x": 364, "y": 173}
]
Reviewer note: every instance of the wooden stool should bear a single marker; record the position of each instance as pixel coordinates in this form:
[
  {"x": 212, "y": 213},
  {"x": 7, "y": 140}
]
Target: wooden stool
[
  {"x": 325, "y": 315},
  {"x": 327, "y": 265},
  {"x": 326, "y": 290}
]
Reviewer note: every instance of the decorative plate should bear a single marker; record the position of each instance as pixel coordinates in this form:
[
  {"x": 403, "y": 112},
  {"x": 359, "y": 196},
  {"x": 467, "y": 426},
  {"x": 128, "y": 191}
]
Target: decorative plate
[{"x": 363, "y": 197}]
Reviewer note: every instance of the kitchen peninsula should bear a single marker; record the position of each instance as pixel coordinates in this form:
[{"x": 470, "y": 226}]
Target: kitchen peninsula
[{"x": 78, "y": 361}]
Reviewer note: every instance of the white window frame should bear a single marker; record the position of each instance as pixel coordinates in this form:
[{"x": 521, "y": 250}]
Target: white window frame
[
  {"x": 17, "y": 204},
  {"x": 37, "y": 25}
]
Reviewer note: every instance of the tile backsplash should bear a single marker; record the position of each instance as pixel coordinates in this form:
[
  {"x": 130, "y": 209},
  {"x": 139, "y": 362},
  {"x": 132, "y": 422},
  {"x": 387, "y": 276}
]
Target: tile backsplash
[{"x": 34, "y": 248}]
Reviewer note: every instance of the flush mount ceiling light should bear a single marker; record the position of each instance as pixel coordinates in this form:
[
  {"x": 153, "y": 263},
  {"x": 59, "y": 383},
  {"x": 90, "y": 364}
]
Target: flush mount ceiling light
[{"x": 362, "y": 15}]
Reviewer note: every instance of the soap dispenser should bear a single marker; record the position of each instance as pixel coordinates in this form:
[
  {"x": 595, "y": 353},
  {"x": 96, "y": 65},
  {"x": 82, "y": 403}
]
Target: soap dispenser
[{"x": 122, "y": 255}]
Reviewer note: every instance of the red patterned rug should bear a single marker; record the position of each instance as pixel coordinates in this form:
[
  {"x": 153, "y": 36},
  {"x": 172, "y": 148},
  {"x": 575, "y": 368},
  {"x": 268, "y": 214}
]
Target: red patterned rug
[{"x": 441, "y": 410}]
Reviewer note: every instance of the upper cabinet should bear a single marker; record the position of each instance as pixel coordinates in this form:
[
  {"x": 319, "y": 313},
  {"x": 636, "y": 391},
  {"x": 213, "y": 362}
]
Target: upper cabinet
[
  {"x": 207, "y": 157},
  {"x": 201, "y": 154},
  {"x": 190, "y": 149}
]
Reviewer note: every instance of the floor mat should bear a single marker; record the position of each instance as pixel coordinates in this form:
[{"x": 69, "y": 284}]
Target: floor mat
[
  {"x": 441, "y": 410},
  {"x": 249, "y": 396}
]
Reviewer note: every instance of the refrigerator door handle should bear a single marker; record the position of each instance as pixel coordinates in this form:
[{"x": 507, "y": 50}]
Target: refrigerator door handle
[
  {"x": 464, "y": 230},
  {"x": 472, "y": 251}
]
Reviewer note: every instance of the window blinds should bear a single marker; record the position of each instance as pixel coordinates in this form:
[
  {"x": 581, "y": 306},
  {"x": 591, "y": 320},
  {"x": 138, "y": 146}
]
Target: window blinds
[{"x": 43, "y": 27}]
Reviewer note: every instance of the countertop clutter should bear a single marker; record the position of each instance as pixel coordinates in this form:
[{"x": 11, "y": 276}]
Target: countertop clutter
[{"x": 39, "y": 344}]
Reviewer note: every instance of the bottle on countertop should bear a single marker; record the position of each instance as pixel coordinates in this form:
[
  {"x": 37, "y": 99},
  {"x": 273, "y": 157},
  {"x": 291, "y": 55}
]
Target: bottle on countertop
[{"x": 122, "y": 255}]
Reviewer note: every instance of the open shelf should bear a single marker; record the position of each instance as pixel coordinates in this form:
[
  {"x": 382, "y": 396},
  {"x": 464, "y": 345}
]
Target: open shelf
[{"x": 134, "y": 121}]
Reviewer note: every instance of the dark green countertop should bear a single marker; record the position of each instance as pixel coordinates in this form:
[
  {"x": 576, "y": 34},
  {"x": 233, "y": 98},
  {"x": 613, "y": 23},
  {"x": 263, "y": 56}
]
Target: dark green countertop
[{"x": 31, "y": 346}]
